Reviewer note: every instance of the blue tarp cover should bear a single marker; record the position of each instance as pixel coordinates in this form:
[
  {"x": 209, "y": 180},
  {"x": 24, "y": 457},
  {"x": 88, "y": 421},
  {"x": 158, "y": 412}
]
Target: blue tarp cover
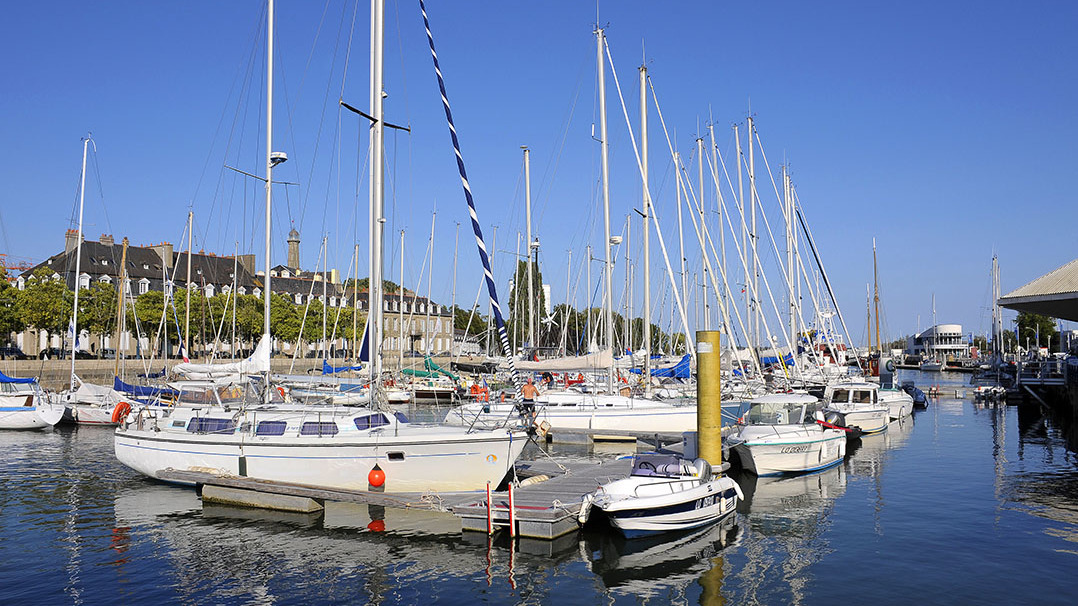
[
  {"x": 680, "y": 370},
  {"x": 6, "y": 379},
  {"x": 328, "y": 370},
  {"x": 140, "y": 390}
]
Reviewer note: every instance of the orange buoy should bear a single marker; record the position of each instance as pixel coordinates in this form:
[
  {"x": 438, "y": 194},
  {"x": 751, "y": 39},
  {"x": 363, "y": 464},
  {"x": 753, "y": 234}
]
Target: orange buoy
[
  {"x": 377, "y": 526},
  {"x": 120, "y": 412},
  {"x": 376, "y": 477}
]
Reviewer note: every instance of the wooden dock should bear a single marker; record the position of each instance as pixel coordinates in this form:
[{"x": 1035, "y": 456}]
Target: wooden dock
[{"x": 544, "y": 508}]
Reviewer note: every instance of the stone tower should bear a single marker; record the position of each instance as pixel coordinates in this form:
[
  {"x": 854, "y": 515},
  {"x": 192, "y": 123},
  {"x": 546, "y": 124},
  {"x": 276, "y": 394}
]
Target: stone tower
[{"x": 293, "y": 249}]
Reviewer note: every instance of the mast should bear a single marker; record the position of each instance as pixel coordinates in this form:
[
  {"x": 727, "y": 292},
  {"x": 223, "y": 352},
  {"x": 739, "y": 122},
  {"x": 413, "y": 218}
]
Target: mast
[
  {"x": 647, "y": 227},
  {"x": 120, "y": 305},
  {"x": 377, "y": 194},
  {"x": 235, "y": 274},
  {"x": 78, "y": 259},
  {"x": 430, "y": 291},
  {"x": 791, "y": 276},
  {"x": 453, "y": 321},
  {"x": 325, "y": 294},
  {"x": 269, "y": 183},
  {"x": 187, "y": 311},
  {"x": 876, "y": 296},
  {"x": 608, "y": 307},
  {"x": 744, "y": 236},
  {"x": 400, "y": 307},
  {"x": 528, "y": 248},
  {"x": 700, "y": 232},
  {"x": 628, "y": 332},
  {"x": 755, "y": 318},
  {"x": 722, "y": 228},
  {"x": 355, "y": 308},
  {"x": 568, "y": 279},
  {"x": 680, "y": 230}
]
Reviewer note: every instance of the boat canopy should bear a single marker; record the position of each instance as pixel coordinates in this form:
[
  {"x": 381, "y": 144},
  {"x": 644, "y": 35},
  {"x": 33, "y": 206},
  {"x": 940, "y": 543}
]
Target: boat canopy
[
  {"x": 6, "y": 379},
  {"x": 591, "y": 362},
  {"x": 681, "y": 370}
]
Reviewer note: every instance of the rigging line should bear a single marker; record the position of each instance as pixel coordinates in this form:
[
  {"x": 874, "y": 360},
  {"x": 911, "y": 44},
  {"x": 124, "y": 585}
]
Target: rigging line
[
  {"x": 649, "y": 202},
  {"x": 476, "y": 227},
  {"x": 551, "y": 172}
]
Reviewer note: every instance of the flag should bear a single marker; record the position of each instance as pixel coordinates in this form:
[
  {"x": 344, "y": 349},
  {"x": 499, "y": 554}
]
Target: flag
[
  {"x": 183, "y": 353},
  {"x": 72, "y": 337}
]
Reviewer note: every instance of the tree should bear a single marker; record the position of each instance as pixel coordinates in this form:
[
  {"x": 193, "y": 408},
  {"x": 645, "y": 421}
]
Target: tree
[
  {"x": 45, "y": 303},
  {"x": 519, "y": 304},
  {"x": 477, "y": 326},
  {"x": 1036, "y": 329},
  {"x": 97, "y": 309},
  {"x": 10, "y": 321},
  {"x": 284, "y": 321}
]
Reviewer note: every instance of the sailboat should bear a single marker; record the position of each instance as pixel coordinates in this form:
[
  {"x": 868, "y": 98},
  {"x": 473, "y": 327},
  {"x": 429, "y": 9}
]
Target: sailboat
[
  {"x": 328, "y": 447},
  {"x": 23, "y": 405},
  {"x": 932, "y": 363}
]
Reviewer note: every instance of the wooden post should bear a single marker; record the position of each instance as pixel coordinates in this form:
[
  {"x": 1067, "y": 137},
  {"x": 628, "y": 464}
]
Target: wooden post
[{"x": 709, "y": 397}]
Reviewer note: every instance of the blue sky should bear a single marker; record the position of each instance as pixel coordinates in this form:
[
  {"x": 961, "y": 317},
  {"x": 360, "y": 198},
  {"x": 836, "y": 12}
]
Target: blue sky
[{"x": 945, "y": 130}]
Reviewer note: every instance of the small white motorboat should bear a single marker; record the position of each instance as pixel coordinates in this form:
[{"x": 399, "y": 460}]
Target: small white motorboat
[
  {"x": 782, "y": 433},
  {"x": 856, "y": 406},
  {"x": 662, "y": 493}
]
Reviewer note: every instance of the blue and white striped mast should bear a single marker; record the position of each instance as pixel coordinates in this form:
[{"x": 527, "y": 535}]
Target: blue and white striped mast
[{"x": 484, "y": 257}]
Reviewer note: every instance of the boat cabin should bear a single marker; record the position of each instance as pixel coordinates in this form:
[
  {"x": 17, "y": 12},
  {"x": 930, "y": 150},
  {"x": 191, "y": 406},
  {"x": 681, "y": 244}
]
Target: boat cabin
[
  {"x": 852, "y": 393},
  {"x": 781, "y": 409}
]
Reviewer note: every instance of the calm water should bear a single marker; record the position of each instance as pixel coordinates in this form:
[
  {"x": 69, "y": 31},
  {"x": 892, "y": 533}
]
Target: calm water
[{"x": 963, "y": 504}]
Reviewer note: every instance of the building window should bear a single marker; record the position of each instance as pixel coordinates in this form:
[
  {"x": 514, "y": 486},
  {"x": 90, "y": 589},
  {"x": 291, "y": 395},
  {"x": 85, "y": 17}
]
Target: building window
[
  {"x": 333, "y": 301},
  {"x": 257, "y": 292},
  {"x": 84, "y": 281},
  {"x": 105, "y": 279},
  {"x": 242, "y": 290},
  {"x": 299, "y": 299},
  {"x": 104, "y": 261},
  {"x": 209, "y": 290}
]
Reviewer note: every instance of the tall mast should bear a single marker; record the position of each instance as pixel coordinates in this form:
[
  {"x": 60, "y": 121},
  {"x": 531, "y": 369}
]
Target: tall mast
[
  {"x": 430, "y": 287},
  {"x": 680, "y": 230},
  {"x": 377, "y": 194},
  {"x": 755, "y": 321},
  {"x": 400, "y": 306},
  {"x": 269, "y": 185},
  {"x": 744, "y": 235},
  {"x": 355, "y": 308},
  {"x": 325, "y": 294},
  {"x": 647, "y": 226},
  {"x": 235, "y": 274},
  {"x": 187, "y": 311},
  {"x": 528, "y": 248},
  {"x": 628, "y": 332},
  {"x": 453, "y": 321},
  {"x": 722, "y": 228},
  {"x": 608, "y": 310},
  {"x": 791, "y": 277},
  {"x": 120, "y": 290},
  {"x": 568, "y": 279},
  {"x": 876, "y": 295},
  {"x": 700, "y": 232},
  {"x": 490, "y": 304},
  {"x": 78, "y": 259}
]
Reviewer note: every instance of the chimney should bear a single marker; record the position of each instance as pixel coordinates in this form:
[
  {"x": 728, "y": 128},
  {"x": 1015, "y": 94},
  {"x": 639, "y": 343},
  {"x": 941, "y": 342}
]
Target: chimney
[
  {"x": 106, "y": 239},
  {"x": 164, "y": 250},
  {"x": 70, "y": 239},
  {"x": 247, "y": 262}
]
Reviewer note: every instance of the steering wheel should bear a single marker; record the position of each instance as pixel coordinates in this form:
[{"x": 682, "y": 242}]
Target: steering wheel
[{"x": 646, "y": 465}]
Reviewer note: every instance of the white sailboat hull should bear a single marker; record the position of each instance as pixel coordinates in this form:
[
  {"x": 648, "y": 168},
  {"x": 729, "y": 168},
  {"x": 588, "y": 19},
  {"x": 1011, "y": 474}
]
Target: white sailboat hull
[
  {"x": 586, "y": 412},
  {"x": 414, "y": 458},
  {"x": 28, "y": 411}
]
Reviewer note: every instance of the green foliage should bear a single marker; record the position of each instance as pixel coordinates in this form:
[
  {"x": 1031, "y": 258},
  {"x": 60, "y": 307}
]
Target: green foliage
[
  {"x": 1031, "y": 325},
  {"x": 362, "y": 283},
  {"x": 520, "y": 306},
  {"x": 10, "y": 320},
  {"x": 97, "y": 308},
  {"x": 45, "y": 304},
  {"x": 478, "y": 325}
]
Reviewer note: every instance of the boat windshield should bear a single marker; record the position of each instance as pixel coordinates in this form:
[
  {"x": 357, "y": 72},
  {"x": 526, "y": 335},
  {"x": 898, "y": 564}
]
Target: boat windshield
[
  {"x": 656, "y": 465},
  {"x": 222, "y": 394},
  {"x": 779, "y": 413}
]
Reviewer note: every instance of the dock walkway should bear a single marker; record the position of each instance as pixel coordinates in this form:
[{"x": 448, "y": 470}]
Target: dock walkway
[{"x": 543, "y": 509}]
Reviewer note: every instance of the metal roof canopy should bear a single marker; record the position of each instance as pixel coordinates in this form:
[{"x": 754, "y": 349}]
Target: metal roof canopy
[{"x": 1054, "y": 294}]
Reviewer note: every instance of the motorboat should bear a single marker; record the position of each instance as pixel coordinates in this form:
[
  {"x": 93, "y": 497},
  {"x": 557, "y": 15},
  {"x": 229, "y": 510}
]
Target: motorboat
[
  {"x": 326, "y": 447},
  {"x": 856, "y": 406},
  {"x": 664, "y": 493},
  {"x": 782, "y": 433},
  {"x": 23, "y": 405}
]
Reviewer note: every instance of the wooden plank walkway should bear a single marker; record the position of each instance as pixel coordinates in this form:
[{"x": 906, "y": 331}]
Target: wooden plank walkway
[{"x": 545, "y": 509}]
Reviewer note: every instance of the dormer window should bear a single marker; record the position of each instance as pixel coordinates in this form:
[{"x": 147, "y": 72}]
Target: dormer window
[
  {"x": 104, "y": 261},
  {"x": 145, "y": 266}
]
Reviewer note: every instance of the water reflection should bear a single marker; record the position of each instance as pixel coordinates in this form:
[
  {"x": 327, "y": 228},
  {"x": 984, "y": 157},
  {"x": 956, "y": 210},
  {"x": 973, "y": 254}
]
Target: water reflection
[{"x": 653, "y": 566}]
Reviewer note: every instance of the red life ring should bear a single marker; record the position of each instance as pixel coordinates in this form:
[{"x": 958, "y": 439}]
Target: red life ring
[
  {"x": 120, "y": 412},
  {"x": 280, "y": 390}
]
